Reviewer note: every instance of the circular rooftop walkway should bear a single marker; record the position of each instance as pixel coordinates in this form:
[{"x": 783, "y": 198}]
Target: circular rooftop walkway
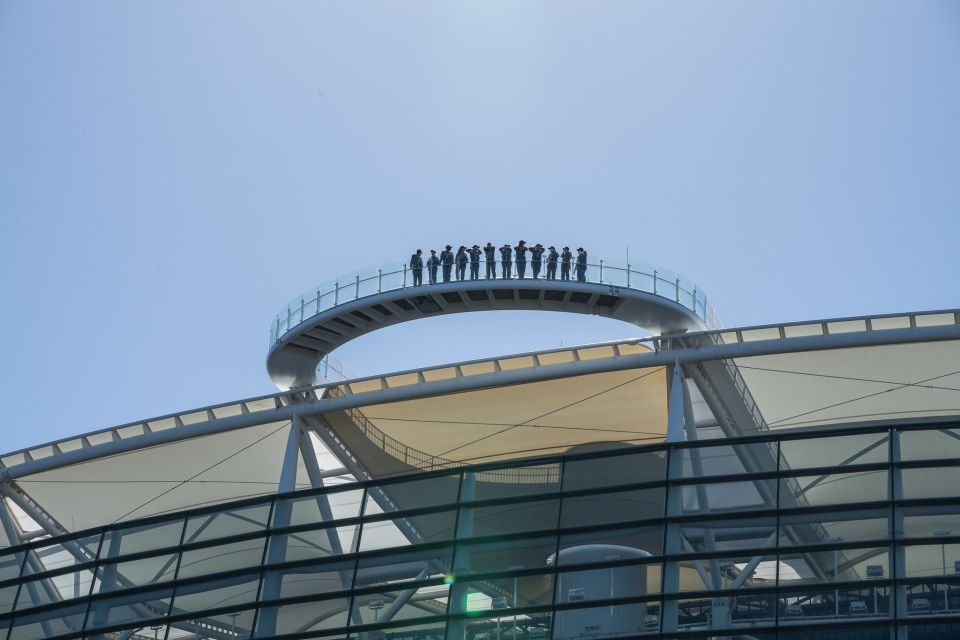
[{"x": 332, "y": 314}]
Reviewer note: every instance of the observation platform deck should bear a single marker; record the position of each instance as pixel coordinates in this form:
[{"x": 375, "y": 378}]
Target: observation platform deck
[{"x": 319, "y": 321}]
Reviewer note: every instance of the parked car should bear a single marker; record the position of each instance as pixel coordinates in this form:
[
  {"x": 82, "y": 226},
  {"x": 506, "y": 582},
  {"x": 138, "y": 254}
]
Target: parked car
[
  {"x": 920, "y": 605},
  {"x": 857, "y": 607},
  {"x": 793, "y": 610}
]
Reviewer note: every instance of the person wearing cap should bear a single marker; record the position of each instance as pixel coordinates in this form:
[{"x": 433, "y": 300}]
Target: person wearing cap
[
  {"x": 446, "y": 261},
  {"x": 565, "y": 259},
  {"x": 581, "y": 265},
  {"x": 490, "y": 255},
  {"x": 506, "y": 262},
  {"x": 536, "y": 259},
  {"x": 416, "y": 267},
  {"x": 474, "y": 262},
  {"x": 461, "y": 263},
  {"x": 521, "y": 258},
  {"x": 552, "y": 257},
  {"x": 433, "y": 262}
]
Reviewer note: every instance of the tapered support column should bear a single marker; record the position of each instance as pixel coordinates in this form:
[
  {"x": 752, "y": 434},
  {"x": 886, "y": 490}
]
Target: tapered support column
[{"x": 457, "y": 629}]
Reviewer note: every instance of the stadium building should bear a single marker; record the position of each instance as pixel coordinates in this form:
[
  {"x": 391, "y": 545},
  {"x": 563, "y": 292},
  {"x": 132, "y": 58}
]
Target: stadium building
[{"x": 798, "y": 481}]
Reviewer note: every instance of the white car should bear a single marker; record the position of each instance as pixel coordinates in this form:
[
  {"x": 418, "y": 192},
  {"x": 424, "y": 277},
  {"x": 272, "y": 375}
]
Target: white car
[
  {"x": 793, "y": 610},
  {"x": 920, "y": 605},
  {"x": 857, "y": 607}
]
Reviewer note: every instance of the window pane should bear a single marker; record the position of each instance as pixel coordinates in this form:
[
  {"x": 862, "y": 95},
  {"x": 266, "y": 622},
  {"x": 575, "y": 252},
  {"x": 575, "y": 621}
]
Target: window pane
[
  {"x": 423, "y": 602},
  {"x": 227, "y": 557},
  {"x": 937, "y": 444},
  {"x": 490, "y": 557},
  {"x": 717, "y": 460},
  {"x": 930, "y": 598},
  {"x": 402, "y": 532},
  {"x": 729, "y": 535},
  {"x": 834, "y": 451},
  {"x": 848, "y": 525},
  {"x": 395, "y": 568},
  {"x": 141, "y": 538},
  {"x": 617, "y": 541},
  {"x": 511, "y": 482},
  {"x": 726, "y": 496},
  {"x": 930, "y": 520},
  {"x": 303, "y": 617},
  {"x": 839, "y": 565},
  {"x": 607, "y": 622},
  {"x": 124, "y": 609},
  {"x": 309, "y": 510},
  {"x": 620, "y": 506},
  {"x": 413, "y": 494},
  {"x": 41, "y": 625},
  {"x": 838, "y": 603},
  {"x": 839, "y": 488},
  {"x": 63, "y": 554},
  {"x": 312, "y": 579},
  {"x": 10, "y": 565},
  {"x": 937, "y": 482},
  {"x": 487, "y": 626},
  {"x": 741, "y": 609},
  {"x": 931, "y": 560},
  {"x": 508, "y": 518},
  {"x": 613, "y": 471},
  {"x": 136, "y": 573},
  {"x": 223, "y": 592},
  {"x": 608, "y": 582},
  {"x": 8, "y": 596},
  {"x": 311, "y": 545},
  {"x": 741, "y": 572},
  {"x": 223, "y": 524}
]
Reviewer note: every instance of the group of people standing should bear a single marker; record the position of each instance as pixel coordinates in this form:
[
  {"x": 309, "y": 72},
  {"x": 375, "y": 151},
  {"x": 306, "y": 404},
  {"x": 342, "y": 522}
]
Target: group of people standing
[{"x": 449, "y": 262}]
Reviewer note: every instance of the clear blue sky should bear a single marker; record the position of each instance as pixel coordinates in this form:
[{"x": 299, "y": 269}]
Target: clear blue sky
[{"x": 172, "y": 173}]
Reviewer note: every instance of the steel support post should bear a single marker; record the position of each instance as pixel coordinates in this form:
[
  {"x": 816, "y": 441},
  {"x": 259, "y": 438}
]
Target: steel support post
[
  {"x": 675, "y": 400},
  {"x": 403, "y": 598},
  {"x": 457, "y": 629},
  {"x": 12, "y": 532},
  {"x": 899, "y": 596},
  {"x": 309, "y": 455},
  {"x": 277, "y": 549}
]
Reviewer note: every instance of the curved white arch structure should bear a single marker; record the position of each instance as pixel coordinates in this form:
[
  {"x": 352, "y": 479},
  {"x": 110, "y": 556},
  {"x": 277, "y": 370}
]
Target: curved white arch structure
[{"x": 319, "y": 322}]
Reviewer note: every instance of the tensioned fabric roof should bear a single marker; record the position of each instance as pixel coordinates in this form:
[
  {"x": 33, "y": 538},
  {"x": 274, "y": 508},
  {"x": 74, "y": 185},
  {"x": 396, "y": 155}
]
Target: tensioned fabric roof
[
  {"x": 811, "y": 387},
  {"x": 218, "y": 468},
  {"x": 898, "y": 381},
  {"x": 531, "y": 419}
]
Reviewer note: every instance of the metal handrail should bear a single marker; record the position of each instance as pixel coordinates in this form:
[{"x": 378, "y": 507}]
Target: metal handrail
[
  {"x": 429, "y": 462},
  {"x": 397, "y": 276}
]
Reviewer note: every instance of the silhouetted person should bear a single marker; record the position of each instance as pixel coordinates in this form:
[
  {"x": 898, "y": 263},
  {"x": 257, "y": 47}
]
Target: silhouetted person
[
  {"x": 581, "y": 265},
  {"x": 433, "y": 263},
  {"x": 552, "y": 258},
  {"x": 446, "y": 261},
  {"x": 461, "y": 260},
  {"x": 565, "y": 259},
  {"x": 521, "y": 257},
  {"x": 475, "y": 262},
  {"x": 536, "y": 259},
  {"x": 416, "y": 266},
  {"x": 506, "y": 261},
  {"x": 490, "y": 254}
]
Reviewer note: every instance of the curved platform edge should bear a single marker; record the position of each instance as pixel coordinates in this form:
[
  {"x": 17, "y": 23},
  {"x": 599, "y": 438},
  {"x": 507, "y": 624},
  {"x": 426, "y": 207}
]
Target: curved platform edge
[{"x": 292, "y": 361}]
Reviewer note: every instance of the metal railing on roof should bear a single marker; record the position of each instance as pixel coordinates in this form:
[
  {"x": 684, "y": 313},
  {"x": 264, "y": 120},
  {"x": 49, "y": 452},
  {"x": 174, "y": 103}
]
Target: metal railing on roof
[
  {"x": 428, "y": 462},
  {"x": 397, "y": 275}
]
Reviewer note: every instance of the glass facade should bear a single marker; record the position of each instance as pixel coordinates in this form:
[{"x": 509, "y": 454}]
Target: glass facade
[{"x": 849, "y": 533}]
